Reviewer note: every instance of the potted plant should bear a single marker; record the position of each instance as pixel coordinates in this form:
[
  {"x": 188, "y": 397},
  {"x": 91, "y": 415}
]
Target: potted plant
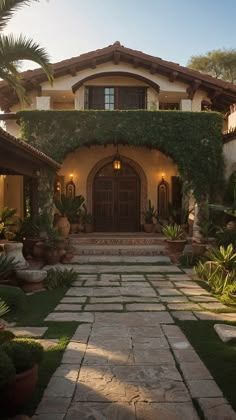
[
  {"x": 199, "y": 248},
  {"x": 74, "y": 221},
  {"x": 54, "y": 247},
  {"x": 68, "y": 208},
  {"x": 149, "y": 215},
  {"x": 175, "y": 239},
  {"x": 7, "y": 267},
  {"x": 87, "y": 219},
  {"x": 19, "y": 378}
]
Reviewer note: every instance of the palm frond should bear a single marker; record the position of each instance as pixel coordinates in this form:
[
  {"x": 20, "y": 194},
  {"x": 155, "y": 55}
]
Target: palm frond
[
  {"x": 16, "y": 84},
  {"x": 14, "y": 49},
  {"x": 8, "y": 7}
]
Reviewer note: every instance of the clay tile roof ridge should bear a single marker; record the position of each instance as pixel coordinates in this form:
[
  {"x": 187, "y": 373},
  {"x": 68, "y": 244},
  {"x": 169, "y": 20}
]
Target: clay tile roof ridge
[{"x": 136, "y": 54}]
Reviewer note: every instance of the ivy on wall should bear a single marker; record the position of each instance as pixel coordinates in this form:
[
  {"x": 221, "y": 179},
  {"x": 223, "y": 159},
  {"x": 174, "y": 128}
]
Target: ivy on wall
[{"x": 192, "y": 139}]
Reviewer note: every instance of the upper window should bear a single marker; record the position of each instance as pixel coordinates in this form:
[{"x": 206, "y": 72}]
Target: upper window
[{"x": 110, "y": 98}]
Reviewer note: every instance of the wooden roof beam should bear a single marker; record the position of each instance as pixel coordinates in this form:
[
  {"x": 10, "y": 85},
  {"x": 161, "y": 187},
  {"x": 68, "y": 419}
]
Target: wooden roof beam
[
  {"x": 93, "y": 64},
  {"x": 116, "y": 57},
  {"x": 173, "y": 76},
  {"x": 153, "y": 68},
  {"x": 192, "y": 88},
  {"x": 72, "y": 71}
]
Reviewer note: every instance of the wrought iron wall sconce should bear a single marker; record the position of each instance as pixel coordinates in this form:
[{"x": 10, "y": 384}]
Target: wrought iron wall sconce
[
  {"x": 162, "y": 198},
  {"x": 116, "y": 161}
]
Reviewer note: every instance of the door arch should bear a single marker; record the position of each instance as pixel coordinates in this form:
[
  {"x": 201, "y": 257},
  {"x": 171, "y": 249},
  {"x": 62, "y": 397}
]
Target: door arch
[{"x": 116, "y": 199}]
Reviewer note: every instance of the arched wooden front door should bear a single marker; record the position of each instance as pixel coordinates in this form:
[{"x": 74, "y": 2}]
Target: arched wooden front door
[{"x": 116, "y": 199}]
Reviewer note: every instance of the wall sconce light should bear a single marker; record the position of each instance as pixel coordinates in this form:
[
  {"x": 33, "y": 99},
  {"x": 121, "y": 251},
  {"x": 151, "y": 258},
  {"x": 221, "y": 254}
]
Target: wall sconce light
[
  {"x": 71, "y": 176},
  {"x": 162, "y": 197},
  {"x": 117, "y": 161}
]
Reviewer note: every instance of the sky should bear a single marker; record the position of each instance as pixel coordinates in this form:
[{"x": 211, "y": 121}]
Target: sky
[{"x": 171, "y": 29}]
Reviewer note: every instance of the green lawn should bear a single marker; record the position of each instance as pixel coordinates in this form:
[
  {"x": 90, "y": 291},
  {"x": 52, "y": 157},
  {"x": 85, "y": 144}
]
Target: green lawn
[
  {"x": 36, "y": 309},
  {"x": 219, "y": 357}
]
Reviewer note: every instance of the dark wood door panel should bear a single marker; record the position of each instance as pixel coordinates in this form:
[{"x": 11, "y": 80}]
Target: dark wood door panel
[
  {"x": 116, "y": 202},
  {"x": 103, "y": 205}
]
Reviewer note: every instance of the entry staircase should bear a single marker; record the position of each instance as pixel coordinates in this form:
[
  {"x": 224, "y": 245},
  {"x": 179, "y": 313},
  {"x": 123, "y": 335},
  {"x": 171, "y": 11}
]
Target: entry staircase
[{"x": 118, "y": 247}]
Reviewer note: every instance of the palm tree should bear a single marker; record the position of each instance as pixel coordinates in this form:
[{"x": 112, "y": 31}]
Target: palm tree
[{"x": 15, "y": 49}]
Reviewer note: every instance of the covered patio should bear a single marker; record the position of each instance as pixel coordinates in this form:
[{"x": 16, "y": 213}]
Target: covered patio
[{"x": 23, "y": 166}]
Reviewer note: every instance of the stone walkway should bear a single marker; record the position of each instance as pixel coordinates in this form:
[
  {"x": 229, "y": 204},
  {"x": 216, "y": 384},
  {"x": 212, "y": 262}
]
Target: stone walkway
[{"x": 127, "y": 359}]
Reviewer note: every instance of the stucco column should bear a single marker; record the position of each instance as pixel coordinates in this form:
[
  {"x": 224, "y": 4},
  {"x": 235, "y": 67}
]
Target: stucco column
[
  {"x": 43, "y": 103},
  {"x": 186, "y": 105},
  {"x": 80, "y": 98}
]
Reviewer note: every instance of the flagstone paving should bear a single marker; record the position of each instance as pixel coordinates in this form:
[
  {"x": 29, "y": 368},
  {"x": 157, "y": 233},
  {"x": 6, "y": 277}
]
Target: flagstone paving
[{"x": 127, "y": 359}]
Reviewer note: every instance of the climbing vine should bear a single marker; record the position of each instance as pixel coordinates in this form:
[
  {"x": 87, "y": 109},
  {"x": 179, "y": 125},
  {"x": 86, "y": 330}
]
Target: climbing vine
[{"x": 192, "y": 139}]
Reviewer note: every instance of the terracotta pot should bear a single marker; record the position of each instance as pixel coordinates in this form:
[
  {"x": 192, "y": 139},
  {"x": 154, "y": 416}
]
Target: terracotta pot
[
  {"x": 148, "y": 227},
  {"x": 67, "y": 257},
  {"x": 38, "y": 250},
  {"x": 63, "y": 226},
  {"x": 19, "y": 392},
  {"x": 52, "y": 256},
  {"x": 73, "y": 228},
  {"x": 176, "y": 246},
  {"x": 199, "y": 249}
]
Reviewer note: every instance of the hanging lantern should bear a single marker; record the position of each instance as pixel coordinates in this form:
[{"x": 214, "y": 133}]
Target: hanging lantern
[{"x": 117, "y": 161}]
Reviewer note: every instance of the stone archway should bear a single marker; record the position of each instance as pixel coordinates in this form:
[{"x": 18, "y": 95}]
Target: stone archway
[{"x": 137, "y": 168}]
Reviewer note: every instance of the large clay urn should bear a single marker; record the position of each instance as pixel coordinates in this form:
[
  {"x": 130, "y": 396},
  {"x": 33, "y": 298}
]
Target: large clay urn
[
  {"x": 14, "y": 249},
  {"x": 63, "y": 226}
]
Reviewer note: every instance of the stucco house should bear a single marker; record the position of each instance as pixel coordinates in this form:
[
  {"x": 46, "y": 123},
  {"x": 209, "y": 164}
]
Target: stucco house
[{"x": 126, "y": 127}]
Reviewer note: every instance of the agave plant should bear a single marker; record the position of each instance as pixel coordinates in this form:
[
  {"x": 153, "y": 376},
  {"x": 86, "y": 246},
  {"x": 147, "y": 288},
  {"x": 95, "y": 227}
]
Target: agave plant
[
  {"x": 4, "y": 309},
  {"x": 223, "y": 258},
  {"x": 7, "y": 265},
  {"x": 69, "y": 207},
  {"x": 173, "y": 232},
  {"x": 220, "y": 268}
]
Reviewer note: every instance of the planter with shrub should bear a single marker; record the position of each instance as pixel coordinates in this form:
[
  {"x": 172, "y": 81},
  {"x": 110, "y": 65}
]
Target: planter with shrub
[
  {"x": 149, "y": 215},
  {"x": 17, "y": 384},
  {"x": 175, "y": 238}
]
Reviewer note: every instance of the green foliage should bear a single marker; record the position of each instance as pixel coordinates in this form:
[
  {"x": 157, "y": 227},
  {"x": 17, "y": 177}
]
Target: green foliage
[
  {"x": 15, "y": 49},
  {"x": 14, "y": 297},
  {"x": 69, "y": 206},
  {"x": 35, "y": 348},
  {"x": 224, "y": 258},
  {"x": 85, "y": 217},
  {"x": 173, "y": 232},
  {"x": 184, "y": 136},
  {"x": 4, "y": 309},
  {"x": 188, "y": 260},
  {"x": 7, "y": 370},
  {"x": 6, "y": 335},
  {"x": 150, "y": 213},
  {"x": 206, "y": 227},
  {"x": 219, "y": 63},
  {"x": 179, "y": 215},
  {"x": 219, "y": 269},
  {"x": 7, "y": 265},
  {"x": 24, "y": 353},
  {"x": 226, "y": 237},
  {"x": 6, "y": 215},
  {"x": 58, "y": 278}
]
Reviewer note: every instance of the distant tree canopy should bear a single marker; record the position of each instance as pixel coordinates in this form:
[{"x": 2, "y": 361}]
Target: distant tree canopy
[{"x": 217, "y": 63}]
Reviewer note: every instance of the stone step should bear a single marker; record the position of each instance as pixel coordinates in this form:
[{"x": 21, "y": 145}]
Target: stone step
[
  {"x": 131, "y": 250},
  {"x": 101, "y": 259},
  {"x": 116, "y": 240}
]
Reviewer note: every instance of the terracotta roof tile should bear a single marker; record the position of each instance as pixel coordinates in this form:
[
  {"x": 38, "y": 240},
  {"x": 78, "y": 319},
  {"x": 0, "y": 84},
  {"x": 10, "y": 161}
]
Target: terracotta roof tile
[
  {"x": 68, "y": 63},
  {"x": 28, "y": 148}
]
